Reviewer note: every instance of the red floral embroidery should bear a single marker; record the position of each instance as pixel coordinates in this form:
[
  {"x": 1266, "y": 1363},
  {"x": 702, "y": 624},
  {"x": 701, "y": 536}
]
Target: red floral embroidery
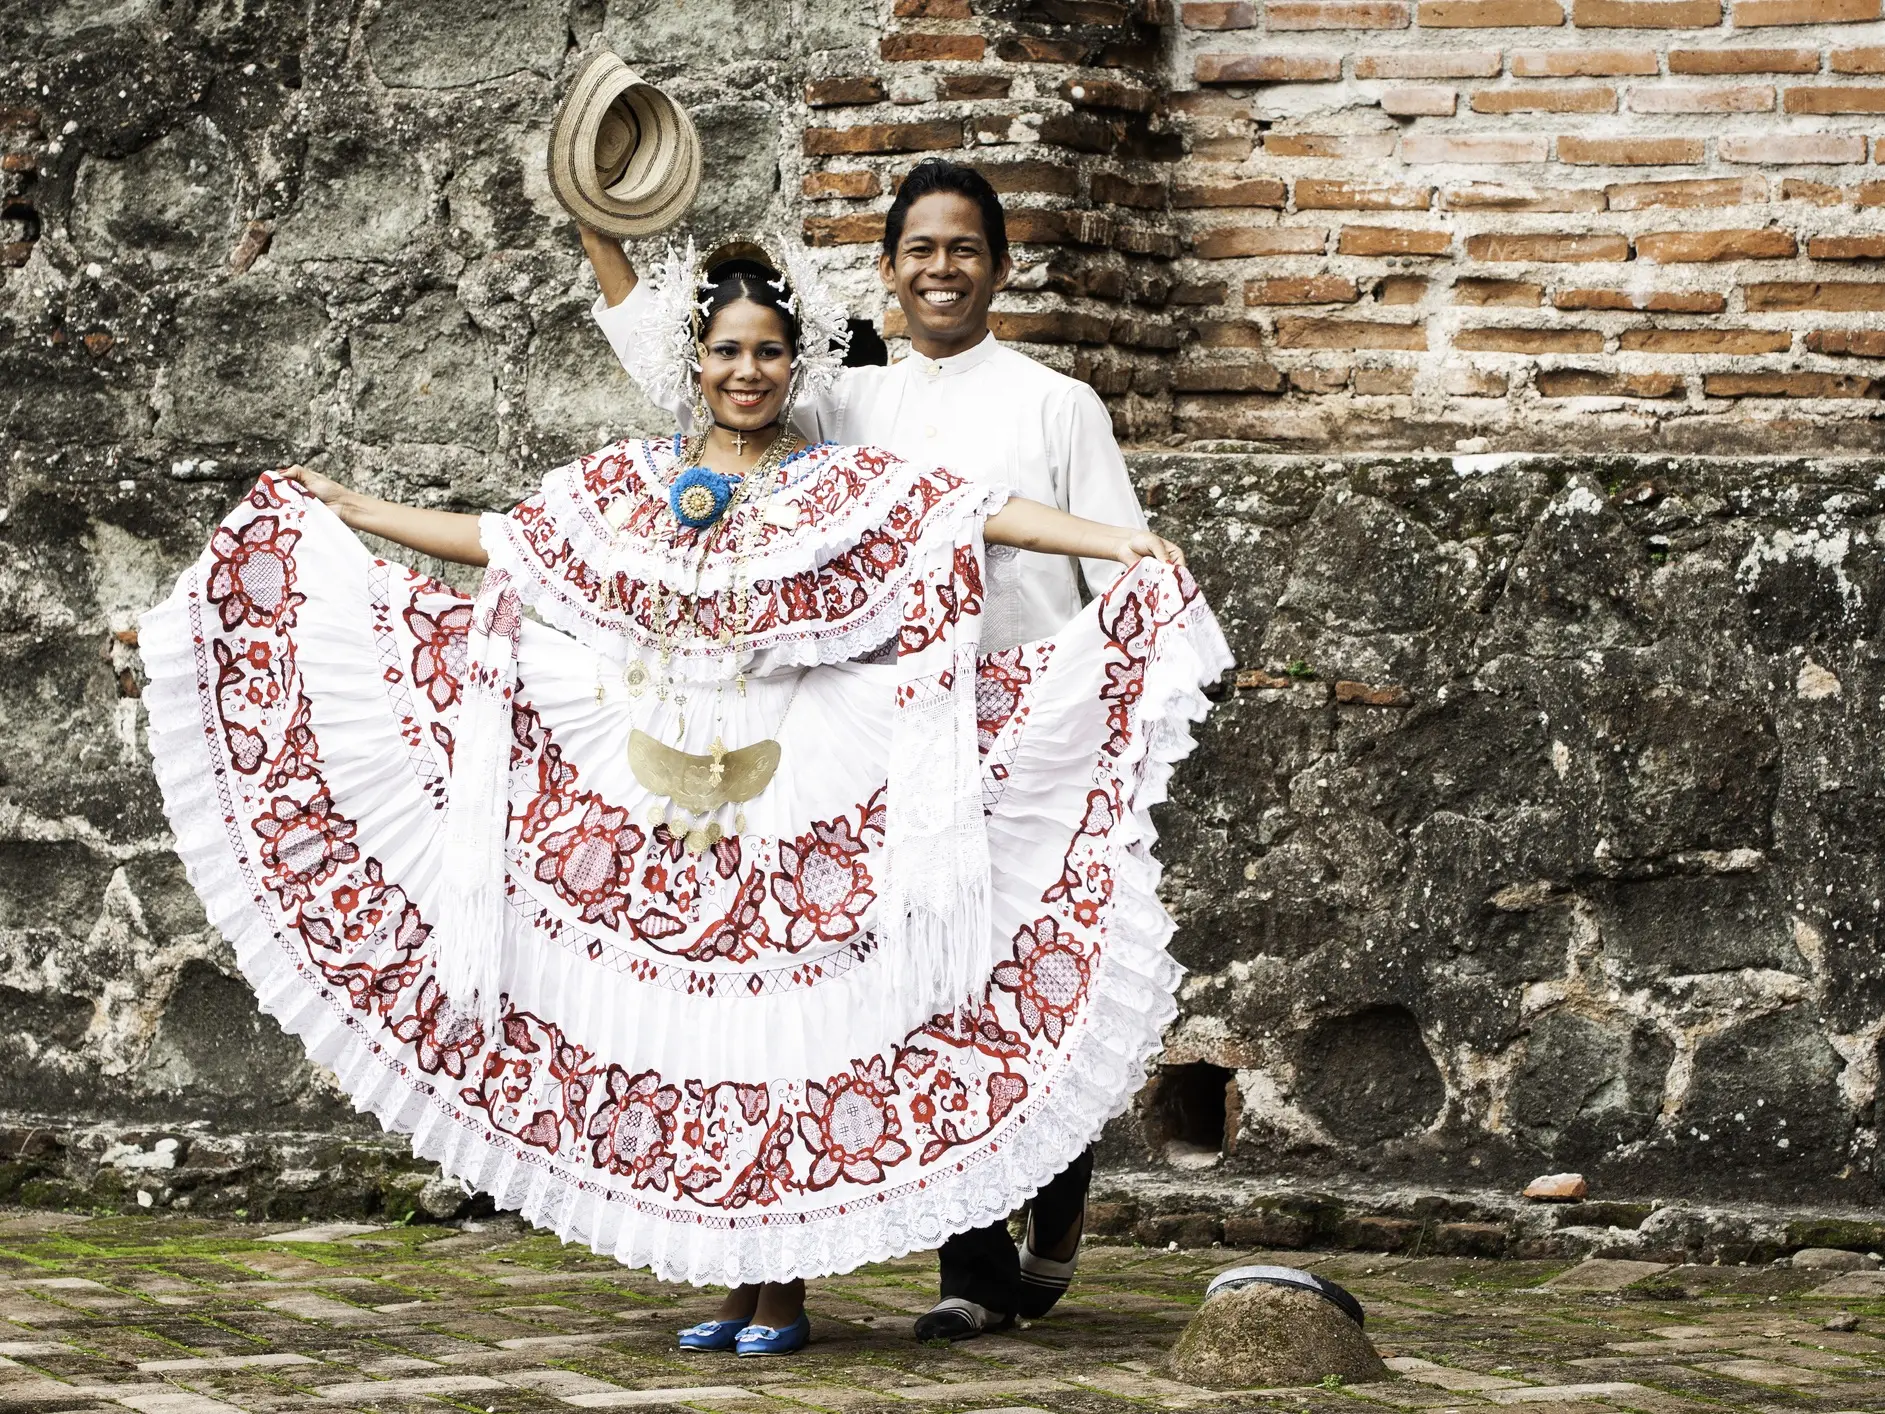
[
  {"x": 635, "y": 1126},
  {"x": 302, "y": 845},
  {"x": 1048, "y": 977},
  {"x": 588, "y": 864},
  {"x": 822, "y": 883},
  {"x": 438, "y": 658},
  {"x": 252, "y": 580},
  {"x": 443, "y": 1038},
  {"x": 852, "y": 1127}
]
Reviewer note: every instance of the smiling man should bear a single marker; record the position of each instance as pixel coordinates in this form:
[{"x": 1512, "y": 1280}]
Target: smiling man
[{"x": 964, "y": 400}]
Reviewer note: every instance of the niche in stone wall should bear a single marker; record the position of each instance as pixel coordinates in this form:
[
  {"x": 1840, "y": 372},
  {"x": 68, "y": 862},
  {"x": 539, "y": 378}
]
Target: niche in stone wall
[
  {"x": 1368, "y": 1076},
  {"x": 1191, "y": 1111}
]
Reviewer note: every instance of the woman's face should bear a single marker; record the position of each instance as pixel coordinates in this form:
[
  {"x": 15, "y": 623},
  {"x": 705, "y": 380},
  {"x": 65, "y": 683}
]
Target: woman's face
[{"x": 746, "y": 365}]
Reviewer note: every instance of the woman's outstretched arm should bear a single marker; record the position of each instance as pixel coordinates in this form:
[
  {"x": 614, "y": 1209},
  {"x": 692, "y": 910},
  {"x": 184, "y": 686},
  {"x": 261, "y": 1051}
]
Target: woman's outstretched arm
[
  {"x": 447, "y": 535},
  {"x": 1030, "y": 525},
  {"x": 615, "y": 275}
]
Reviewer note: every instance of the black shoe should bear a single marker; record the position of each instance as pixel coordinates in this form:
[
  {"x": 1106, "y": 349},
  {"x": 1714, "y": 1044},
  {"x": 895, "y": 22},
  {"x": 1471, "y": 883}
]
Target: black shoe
[
  {"x": 1043, "y": 1280},
  {"x": 954, "y": 1319}
]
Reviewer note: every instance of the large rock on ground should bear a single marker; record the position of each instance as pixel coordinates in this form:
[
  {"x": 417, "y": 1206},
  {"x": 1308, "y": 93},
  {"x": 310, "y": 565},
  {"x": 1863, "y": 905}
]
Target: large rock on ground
[{"x": 1266, "y": 1336}]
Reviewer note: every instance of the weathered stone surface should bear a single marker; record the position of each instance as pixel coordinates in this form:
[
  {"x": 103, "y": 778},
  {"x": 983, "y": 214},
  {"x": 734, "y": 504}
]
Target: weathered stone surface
[
  {"x": 1265, "y": 1336},
  {"x": 171, "y": 206},
  {"x": 416, "y": 44},
  {"x": 426, "y": 374},
  {"x": 248, "y": 366}
]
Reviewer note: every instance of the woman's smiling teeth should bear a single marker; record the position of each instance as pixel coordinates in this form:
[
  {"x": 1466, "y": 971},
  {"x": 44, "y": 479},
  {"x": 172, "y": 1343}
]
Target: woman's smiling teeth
[{"x": 744, "y": 398}]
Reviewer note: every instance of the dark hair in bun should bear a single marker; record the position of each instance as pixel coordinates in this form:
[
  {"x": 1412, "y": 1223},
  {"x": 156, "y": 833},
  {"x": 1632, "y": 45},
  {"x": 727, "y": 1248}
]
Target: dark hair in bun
[{"x": 743, "y": 278}]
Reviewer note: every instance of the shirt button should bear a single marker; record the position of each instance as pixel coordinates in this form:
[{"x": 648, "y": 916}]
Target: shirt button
[
  {"x": 929, "y": 431},
  {"x": 932, "y": 369}
]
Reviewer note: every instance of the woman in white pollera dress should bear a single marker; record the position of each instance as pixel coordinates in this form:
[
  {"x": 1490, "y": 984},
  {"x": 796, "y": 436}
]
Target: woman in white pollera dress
[{"x": 738, "y": 919}]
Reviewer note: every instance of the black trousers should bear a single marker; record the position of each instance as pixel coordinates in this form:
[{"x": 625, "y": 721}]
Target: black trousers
[{"x": 982, "y": 1265}]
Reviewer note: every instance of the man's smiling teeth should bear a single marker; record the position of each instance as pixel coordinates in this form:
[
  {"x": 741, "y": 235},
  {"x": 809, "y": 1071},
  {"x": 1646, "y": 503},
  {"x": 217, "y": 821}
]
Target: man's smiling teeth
[{"x": 941, "y": 296}]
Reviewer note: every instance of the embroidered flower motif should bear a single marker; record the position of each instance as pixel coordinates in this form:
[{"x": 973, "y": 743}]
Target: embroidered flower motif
[
  {"x": 1047, "y": 976},
  {"x": 302, "y": 845},
  {"x": 589, "y": 863},
  {"x": 253, "y": 578},
  {"x": 822, "y": 884},
  {"x": 634, "y": 1127},
  {"x": 438, "y": 658},
  {"x": 442, "y": 1037},
  {"x": 852, "y": 1127}
]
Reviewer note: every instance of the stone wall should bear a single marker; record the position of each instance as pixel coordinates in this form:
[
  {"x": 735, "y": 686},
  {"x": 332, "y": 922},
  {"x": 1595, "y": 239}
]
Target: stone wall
[{"x": 1536, "y": 772}]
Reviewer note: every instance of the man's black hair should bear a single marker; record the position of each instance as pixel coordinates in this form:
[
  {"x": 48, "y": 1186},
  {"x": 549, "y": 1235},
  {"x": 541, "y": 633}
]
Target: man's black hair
[{"x": 936, "y": 175}]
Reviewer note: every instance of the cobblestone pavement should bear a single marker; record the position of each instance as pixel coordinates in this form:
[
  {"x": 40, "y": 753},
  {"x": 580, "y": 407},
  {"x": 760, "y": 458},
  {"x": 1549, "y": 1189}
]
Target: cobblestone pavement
[{"x": 168, "y": 1315}]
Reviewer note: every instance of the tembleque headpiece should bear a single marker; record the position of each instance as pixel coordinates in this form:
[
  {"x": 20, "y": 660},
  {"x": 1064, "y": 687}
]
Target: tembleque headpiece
[{"x": 665, "y": 358}]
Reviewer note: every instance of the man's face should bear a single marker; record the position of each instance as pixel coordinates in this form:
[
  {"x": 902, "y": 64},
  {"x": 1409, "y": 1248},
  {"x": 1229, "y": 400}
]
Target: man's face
[{"x": 943, "y": 275}]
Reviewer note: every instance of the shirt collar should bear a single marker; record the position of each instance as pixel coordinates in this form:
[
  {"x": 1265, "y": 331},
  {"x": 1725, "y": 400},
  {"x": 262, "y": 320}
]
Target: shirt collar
[{"x": 956, "y": 363}]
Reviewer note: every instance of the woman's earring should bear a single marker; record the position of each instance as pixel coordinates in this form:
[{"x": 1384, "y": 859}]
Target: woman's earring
[{"x": 703, "y": 415}]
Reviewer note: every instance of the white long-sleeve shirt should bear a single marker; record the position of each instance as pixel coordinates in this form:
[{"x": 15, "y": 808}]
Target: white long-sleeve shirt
[{"x": 990, "y": 414}]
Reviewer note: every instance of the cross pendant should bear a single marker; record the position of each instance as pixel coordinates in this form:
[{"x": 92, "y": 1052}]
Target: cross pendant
[
  {"x": 717, "y": 771},
  {"x": 739, "y": 442}
]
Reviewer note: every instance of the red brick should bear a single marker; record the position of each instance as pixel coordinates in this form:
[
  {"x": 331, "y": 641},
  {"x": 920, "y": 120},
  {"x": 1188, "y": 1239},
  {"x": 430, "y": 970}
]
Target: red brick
[
  {"x": 1221, "y": 377},
  {"x": 1575, "y": 63},
  {"x": 1058, "y": 326},
  {"x": 1490, "y": 14},
  {"x": 1790, "y": 385},
  {"x": 1136, "y": 238},
  {"x": 1308, "y": 289},
  {"x": 19, "y": 162},
  {"x": 1629, "y": 151},
  {"x": 1230, "y": 242},
  {"x": 1705, "y": 191},
  {"x": 1545, "y": 100},
  {"x": 959, "y": 48},
  {"x": 1846, "y": 247},
  {"x": 1255, "y": 191},
  {"x": 1106, "y": 93},
  {"x": 1428, "y": 64},
  {"x": 1228, "y": 334},
  {"x": 1328, "y": 144},
  {"x": 1749, "y": 14},
  {"x": 1463, "y": 148},
  {"x": 1690, "y": 247},
  {"x": 859, "y": 228},
  {"x": 1465, "y": 381},
  {"x": 1716, "y": 98},
  {"x": 1199, "y": 292},
  {"x": 1318, "y": 381},
  {"x": 98, "y": 344},
  {"x": 1543, "y": 246},
  {"x": 1819, "y": 193},
  {"x": 1843, "y": 99},
  {"x": 1744, "y": 61},
  {"x": 1643, "y": 301},
  {"x": 1392, "y": 240},
  {"x": 1857, "y": 61},
  {"x": 1705, "y": 341},
  {"x": 1646, "y": 14},
  {"x": 1056, "y": 177},
  {"x": 933, "y": 10},
  {"x": 1320, "y": 194},
  {"x": 1032, "y": 226},
  {"x": 1423, "y": 102},
  {"x": 1591, "y": 383},
  {"x": 1335, "y": 14},
  {"x": 1400, "y": 289},
  {"x": 1515, "y": 293},
  {"x": 1348, "y": 334},
  {"x": 1872, "y": 193},
  {"x": 1862, "y": 343},
  {"x": 937, "y": 136},
  {"x": 1199, "y": 14},
  {"x": 1032, "y": 49},
  {"x": 1782, "y": 149},
  {"x": 1824, "y": 294},
  {"x": 1529, "y": 341},
  {"x": 1509, "y": 196},
  {"x": 839, "y": 92},
  {"x": 1383, "y": 382},
  {"x": 1267, "y": 68},
  {"x": 851, "y": 184},
  {"x": 1123, "y": 191},
  {"x": 957, "y": 87}
]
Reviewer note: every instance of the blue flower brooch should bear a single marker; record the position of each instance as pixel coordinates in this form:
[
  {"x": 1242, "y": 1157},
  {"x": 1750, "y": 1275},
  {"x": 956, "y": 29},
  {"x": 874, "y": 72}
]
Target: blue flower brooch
[{"x": 699, "y": 497}]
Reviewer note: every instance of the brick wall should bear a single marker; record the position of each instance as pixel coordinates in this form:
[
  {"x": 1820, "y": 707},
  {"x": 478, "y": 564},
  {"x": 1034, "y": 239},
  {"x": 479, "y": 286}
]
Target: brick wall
[{"x": 1618, "y": 224}]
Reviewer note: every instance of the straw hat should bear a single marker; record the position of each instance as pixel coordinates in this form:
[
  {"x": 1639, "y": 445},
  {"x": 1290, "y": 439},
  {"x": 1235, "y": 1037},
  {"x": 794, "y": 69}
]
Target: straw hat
[{"x": 624, "y": 157}]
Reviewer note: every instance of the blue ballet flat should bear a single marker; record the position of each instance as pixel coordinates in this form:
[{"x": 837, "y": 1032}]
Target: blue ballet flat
[
  {"x": 766, "y": 1340},
  {"x": 713, "y": 1335}
]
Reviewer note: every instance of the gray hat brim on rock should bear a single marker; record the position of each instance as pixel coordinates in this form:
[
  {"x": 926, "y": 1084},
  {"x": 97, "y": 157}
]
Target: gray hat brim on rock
[{"x": 624, "y": 157}]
